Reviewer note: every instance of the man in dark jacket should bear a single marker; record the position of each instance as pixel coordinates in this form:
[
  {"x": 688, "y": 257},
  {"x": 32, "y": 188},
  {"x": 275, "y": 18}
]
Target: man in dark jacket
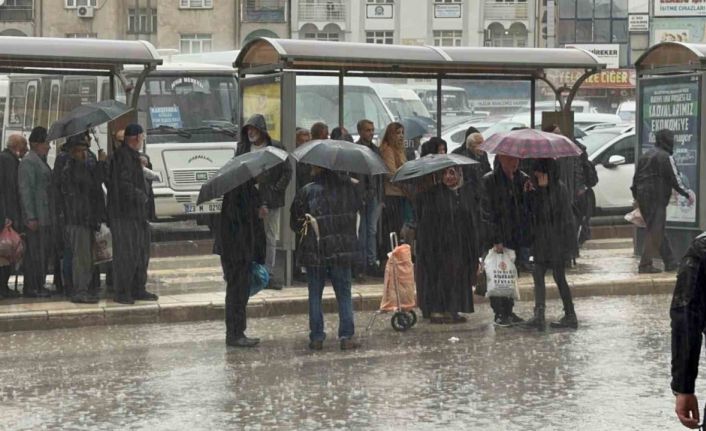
[
  {"x": 371, "y": 188},
  {"x": 10, "y": 198},
  {"x": 688, "y": 315},
  {"x": 243, "y": 242},
  {"x": 83, "y": 211},
  {"x": 127, "y": 210},
  {"x": 655, "y": 176},
  {"x": 504, "y": 216},
  {"x": 272, "y": 186},
  {"x": 324, "y": 211}
]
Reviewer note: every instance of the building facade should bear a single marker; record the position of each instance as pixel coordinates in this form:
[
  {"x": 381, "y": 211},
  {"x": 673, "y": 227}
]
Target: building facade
[
  {"x": 189, "y": 26},
  {"x": 417, "y": 22}
]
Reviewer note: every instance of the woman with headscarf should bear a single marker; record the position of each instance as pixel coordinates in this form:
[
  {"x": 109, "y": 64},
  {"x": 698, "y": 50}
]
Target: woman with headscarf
[
  {"x": 447, "y": 251},
  {"x": 553, "y": 239},
  {"x": 395, "y": 201}
]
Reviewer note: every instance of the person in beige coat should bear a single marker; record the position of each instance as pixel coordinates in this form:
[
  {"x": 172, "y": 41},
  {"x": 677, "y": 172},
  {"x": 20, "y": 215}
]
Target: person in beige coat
[{"x": 395, "y": 201}]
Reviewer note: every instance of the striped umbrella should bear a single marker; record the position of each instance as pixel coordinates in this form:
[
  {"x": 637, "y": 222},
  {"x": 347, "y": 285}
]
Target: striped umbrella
[{"x": 531, "y": 144}]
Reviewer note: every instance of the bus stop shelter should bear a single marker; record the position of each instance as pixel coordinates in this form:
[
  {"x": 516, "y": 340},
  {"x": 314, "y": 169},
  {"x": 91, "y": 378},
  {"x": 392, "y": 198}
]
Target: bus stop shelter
[
  {"x": 94, "y": 57},
  {"x": 267, "y": 70},
  {"x": 670, "y": 77}
]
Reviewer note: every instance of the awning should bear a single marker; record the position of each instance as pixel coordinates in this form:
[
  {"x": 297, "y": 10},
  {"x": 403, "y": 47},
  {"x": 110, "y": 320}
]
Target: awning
[
  {"x": 263, "y": 55},
  {"x": 21, "y": 54}
]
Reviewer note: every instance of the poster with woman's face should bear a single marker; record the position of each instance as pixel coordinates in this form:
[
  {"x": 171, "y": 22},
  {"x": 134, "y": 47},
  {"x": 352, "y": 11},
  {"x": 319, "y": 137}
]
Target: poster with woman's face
[{"x": 677, "y": 35}]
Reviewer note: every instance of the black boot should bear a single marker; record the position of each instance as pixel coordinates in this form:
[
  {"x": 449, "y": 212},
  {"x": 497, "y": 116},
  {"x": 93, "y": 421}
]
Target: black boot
[
  {"x": 569, "y": 321},
  {"x": 537, "y": 321}
]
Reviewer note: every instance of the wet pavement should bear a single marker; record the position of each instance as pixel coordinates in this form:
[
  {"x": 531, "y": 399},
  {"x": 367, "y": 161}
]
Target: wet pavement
[{"x": 613, "y": 373}]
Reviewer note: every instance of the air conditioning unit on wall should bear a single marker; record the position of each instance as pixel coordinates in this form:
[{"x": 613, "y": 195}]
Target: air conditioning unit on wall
[{"x": 85, "y": 11}]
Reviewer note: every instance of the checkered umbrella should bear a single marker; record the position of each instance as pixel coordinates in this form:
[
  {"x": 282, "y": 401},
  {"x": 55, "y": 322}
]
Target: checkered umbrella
[{"x": 531, "y": 144}]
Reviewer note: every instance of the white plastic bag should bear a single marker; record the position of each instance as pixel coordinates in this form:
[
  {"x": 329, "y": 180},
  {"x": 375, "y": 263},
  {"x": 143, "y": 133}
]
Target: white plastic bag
[
  {"x": 103, "y": 249},
  {"x": 635, "y": 217},
  {"x": 501, "y": 274}
]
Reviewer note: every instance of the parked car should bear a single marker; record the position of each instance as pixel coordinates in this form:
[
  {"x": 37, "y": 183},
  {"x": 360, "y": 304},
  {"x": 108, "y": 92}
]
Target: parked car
[
  {"x": 454, "y": 134},
  {"x": 626, "y": 111},
  {"x": 614, "y": 159},
  {"x": 625, "y": 127}
]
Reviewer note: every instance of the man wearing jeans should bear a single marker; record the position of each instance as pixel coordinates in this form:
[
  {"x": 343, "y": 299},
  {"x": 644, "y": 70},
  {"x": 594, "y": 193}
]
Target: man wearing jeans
[
  {"x": 324, "y": 213},
  {"x": 272, "y": 186},
  {"x": 370, "y": 213}
]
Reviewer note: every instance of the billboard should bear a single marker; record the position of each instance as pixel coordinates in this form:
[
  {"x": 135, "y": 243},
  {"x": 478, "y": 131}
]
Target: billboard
[
  {"x": 680, "y": 8},
  {"x": 674, "y": 103},
  {"x": 264, "y": 98}
]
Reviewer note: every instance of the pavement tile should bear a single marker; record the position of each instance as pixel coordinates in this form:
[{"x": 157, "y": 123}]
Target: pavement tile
[
  {"x": 74, "y": 318},
  {"x": 132, "y": 314}
]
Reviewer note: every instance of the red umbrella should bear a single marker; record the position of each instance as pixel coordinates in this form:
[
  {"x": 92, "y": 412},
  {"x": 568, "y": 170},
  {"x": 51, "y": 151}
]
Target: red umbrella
[{"x": 531, "y": 144}]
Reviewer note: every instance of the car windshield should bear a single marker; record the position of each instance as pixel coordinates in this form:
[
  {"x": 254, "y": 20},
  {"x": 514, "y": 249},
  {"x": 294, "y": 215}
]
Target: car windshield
[
  {"x": 595, "y": 141},
  {"x": 320, "y": 103},
  {"x": 418, "y": 109},
  {"x": 169, "y": 103},
  {"x": 399, "y": 107}
]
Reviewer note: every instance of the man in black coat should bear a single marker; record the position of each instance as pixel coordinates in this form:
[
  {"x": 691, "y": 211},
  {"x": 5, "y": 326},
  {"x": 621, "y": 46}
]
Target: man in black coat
[
  {"x": 83, "y": 211},
  {"x": 128, "y": 214},
  {"x": 688, "y": 315},
  {"x": 655, "y": 176},
  {"x": 242, "y": 243},
  {"x": 10, "y": 197},
  {"x": 324, "y": 211},
  {"x": 272, "y": 186},
  {"x": 503, "y": 213}
]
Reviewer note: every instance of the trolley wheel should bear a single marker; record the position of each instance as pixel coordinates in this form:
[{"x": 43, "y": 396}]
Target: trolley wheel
[
  {"x": 412, "y": 318},
  {"x": 401, "y": 321}
]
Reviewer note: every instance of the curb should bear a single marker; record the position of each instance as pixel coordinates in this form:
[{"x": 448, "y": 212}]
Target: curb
[{"x": 145, "y": 312}]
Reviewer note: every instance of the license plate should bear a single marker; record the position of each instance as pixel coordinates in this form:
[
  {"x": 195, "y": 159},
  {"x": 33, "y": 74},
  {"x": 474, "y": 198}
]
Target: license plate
[{"x": 204, "y": 208}]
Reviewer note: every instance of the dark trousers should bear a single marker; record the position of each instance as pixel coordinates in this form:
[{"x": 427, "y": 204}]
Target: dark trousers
[
  {"x": 237, "y": 277},
  {"x": 131, "y": 256},
  {"x": 656, "y": 242},
  {"x": 80, "y": 242},
  {"x": 36, "y": 259},
  {"x": 502, "y": 306},
  {"x": 5, "y": 273},
  {"x": 540, "y": 289}
]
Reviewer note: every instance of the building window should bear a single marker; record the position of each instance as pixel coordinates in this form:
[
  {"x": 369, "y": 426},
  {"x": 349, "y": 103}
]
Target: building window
[
  {"x": 381, "y": 37},
  {"x": 593, "y": 21},
  {"x": 195, "y": 43},
  {"x": 72, "y": 4},
  {"x": 447, "y": 37},
  {"x": 264, "y": 10},
  {"x": 16, "y": 10},
  {"x": 82, "y": 35},
  {"x": 195, "y": 4},
  {"x": 335, "y": 37},
  {"x": 498, "y": 35},
  {"x": 142, "y": 22}
]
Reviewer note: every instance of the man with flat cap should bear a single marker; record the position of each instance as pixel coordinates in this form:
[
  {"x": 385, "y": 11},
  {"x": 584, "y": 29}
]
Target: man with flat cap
[{"x": 128, "y": 213}]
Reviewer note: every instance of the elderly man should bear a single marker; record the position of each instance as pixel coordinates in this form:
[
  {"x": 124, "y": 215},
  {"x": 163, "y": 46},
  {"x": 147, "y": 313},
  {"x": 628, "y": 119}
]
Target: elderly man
[
  {"x": 10, "y": 197},
  {"x": 37, "y": 202},
  {"x": 128, "y": 212}
]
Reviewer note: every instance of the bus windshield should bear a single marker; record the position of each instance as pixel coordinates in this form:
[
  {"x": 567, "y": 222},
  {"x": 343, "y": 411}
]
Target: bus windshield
[{"x": 197, "y": 103}]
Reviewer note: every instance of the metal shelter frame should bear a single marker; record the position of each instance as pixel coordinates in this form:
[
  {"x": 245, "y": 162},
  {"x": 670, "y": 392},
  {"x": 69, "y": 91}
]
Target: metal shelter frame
[
  {"x": 80, "y": 57},
  {"x": 290, "y": 57}
]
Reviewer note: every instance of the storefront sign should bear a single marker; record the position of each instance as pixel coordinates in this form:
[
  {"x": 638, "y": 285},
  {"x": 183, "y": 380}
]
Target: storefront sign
[
  {"x": 447, "y": 10},
  {"x": 680, "y": 8},
  {"x": 613, "y": 78},
  {"x": 639, "y": 23},
  {"x": 673, "y": 103},
  {"x": 379, "y": 11},
  {"x": 607, "y": 53}
]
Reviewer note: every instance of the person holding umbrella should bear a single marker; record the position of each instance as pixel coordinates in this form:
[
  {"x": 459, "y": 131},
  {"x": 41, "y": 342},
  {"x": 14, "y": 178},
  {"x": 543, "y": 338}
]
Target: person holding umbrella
[
  {"x": 324, "y": 213},
  {"x": 553, "y": 239}
]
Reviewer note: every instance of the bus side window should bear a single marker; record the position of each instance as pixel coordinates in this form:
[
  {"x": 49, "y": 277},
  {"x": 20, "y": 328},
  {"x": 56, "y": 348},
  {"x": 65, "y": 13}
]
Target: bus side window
[
  {"x": 54, "y": 102},
  {"x": 18, "y": 93},
  {"x": 30, "y": 105}
]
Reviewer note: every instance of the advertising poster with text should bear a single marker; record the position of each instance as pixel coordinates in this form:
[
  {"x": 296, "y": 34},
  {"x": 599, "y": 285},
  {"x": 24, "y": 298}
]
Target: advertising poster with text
[
  {"x": 673, "y": 103},
  {"x": 264, "y": 99}
]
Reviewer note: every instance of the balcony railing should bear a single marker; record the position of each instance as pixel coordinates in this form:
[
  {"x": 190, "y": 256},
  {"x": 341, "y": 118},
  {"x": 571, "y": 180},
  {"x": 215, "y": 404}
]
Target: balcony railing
[
  {"x": 265, "y": 11},
  {"x": 16, "y": 13},
  {"x": 506, "y": 10},
  {"x": 322, "y": 10}
]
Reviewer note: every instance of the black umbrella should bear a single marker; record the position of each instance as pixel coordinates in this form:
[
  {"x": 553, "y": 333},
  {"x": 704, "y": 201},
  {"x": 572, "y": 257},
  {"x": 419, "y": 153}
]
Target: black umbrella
[
  {"x": 429, "y": 164},
  {"x": 341, "y": 156},
  {"x": 239, "y": 170},
  {"x": 85, "y": 117}
]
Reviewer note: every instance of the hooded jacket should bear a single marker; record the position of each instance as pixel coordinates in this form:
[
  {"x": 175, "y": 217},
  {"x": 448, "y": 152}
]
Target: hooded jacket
[
  {"x": 656, "y": 173},
  {"x": 688, "y": 315},
  {"x": 273, "y": 183},
  {"x": 332, "y": 240}
]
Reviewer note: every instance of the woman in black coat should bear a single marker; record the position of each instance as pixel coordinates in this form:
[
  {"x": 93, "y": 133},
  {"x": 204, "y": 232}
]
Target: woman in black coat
[
  {"x": 447, "y": 251},
  {"x": 242, "y": 241},
  {"x": 554, "y": 240}
]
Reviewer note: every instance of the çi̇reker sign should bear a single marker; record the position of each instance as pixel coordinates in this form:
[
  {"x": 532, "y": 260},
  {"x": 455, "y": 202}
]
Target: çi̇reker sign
[{"x": 674, "y": 103}]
